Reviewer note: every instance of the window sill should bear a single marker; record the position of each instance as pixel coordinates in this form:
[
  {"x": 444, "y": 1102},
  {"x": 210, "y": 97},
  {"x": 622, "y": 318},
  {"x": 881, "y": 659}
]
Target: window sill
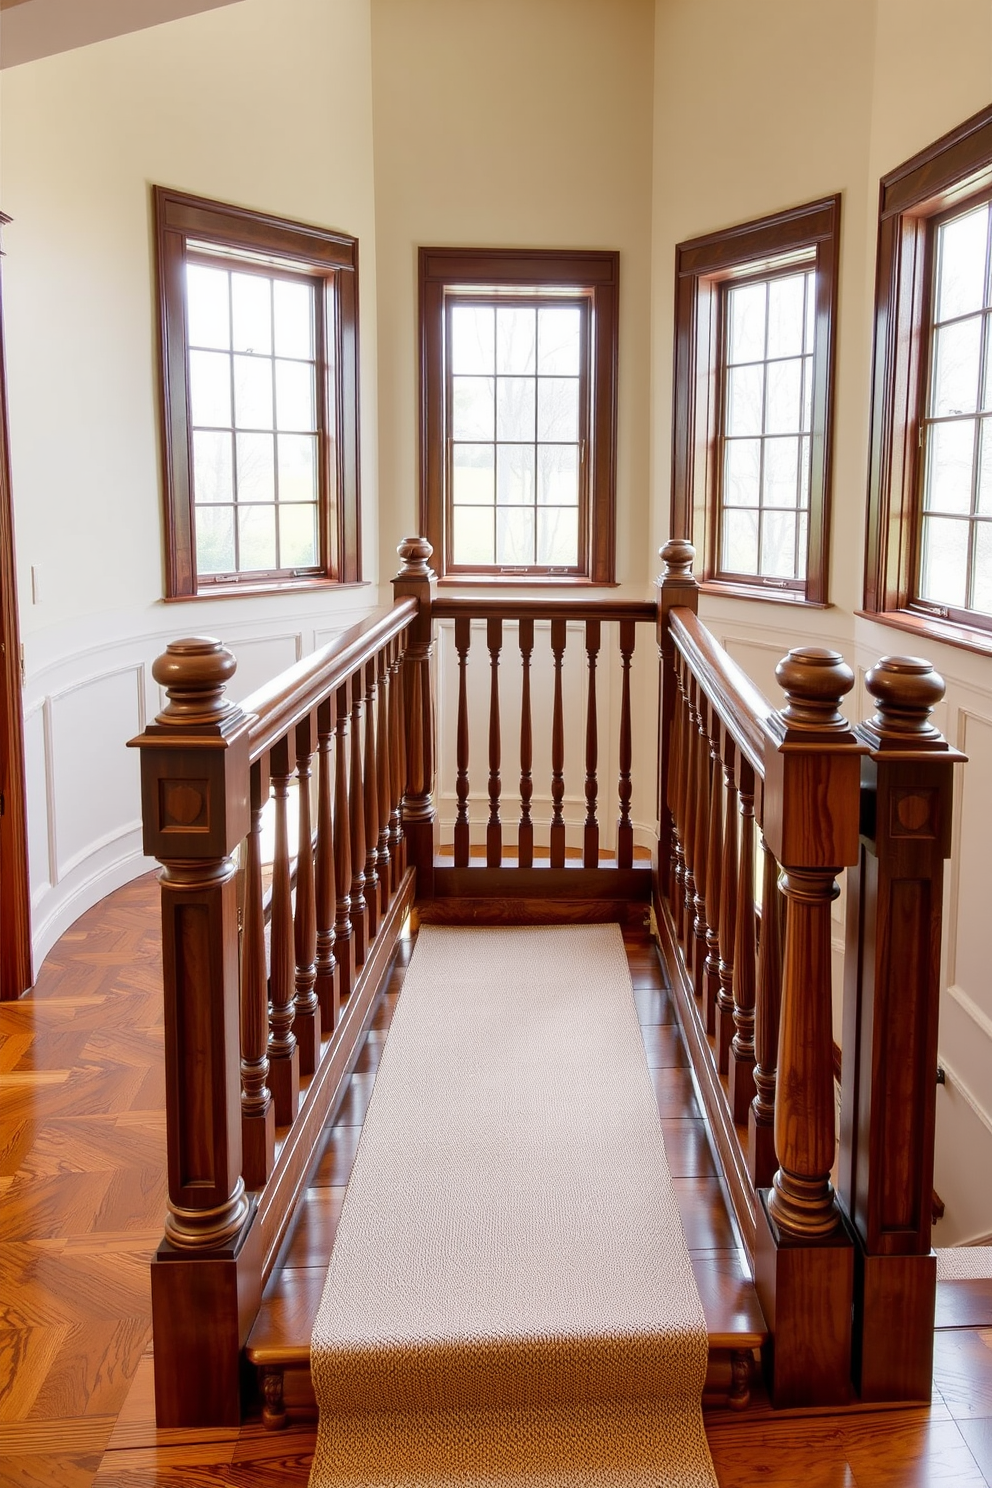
[
  {"x": 524, "y": 580},
  {"x": 776, "y": 596},
  {"x": 947, "y": 632},
  {"x": 274, "y": 586}
]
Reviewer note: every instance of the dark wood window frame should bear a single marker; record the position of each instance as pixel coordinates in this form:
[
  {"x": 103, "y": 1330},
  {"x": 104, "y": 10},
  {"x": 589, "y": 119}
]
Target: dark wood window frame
[
  {"x": 591, "y": 272},
  {"x": 330, "y": 259},
  {"x": 808, "y": 236},
  {"x": 946, "y": 174}
]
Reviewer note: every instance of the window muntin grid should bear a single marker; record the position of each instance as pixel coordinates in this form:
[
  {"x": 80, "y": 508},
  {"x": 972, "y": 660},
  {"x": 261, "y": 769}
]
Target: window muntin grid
[
  {"x": 516, "y": 411},
  {"x": 764, "y": 452},
  {"x": 255, "y": 398},
  {"x": 954, "y": 538}
]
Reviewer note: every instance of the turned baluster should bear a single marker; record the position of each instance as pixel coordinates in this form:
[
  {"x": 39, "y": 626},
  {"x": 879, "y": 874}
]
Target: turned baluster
[
  {"x": 370, "y": 806},
  {"x": 397, "y": 762},
  {"x": 741, "y": 1072},
  {"x": 590, "y": 838},
  {"x": 728, "y": 910},
  {"x": 382, "y": 764},
  {"x": 284, "y": 1053},
  {"x": 306, "y": 1021},
  {"x": 327, "y": 985},
  {"x": 525, "y": 833},
  {"x": 463, "y": 639},
  {"x": 258, "y": 1122},
  {"x": 677, "y": 787},
  {"x": 676, "y": 588},
  {"x": 701, "y": 746},
  {"x": 344, "y": 934},
  {"x": 557, "y": 750},
  {"x": 416, "y": 580},
  {"x": 689, "y": 814},
  {"x": 768, "y": 1003},
  {"x": 714, "y": 885},
  {"x": 625, "y": 829},
  {"x": 359, "y": 908},
  {"x": 494, "y": 827}
]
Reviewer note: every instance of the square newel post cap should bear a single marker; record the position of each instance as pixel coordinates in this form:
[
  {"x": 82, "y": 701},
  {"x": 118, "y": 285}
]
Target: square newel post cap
[
  {"x": 194, "y": 757},
  {"x": 417, "y": 580}
]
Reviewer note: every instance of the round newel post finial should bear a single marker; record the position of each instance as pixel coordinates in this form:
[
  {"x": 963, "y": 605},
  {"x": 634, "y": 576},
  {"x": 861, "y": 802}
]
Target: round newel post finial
[
  {"x": 194, "y": 673},
  {"x": 814, "y": 680},
  {"x": 416, "y": 555},
  {"x": 906, "y": 689},
  {"x": 677, "y": 555}
]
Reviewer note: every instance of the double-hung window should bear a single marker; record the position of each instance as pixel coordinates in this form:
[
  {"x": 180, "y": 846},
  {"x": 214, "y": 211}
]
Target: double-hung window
[
  {"x": 260, "y": 416},
  {"x": 755, "y": 314},
  {"x": 929, "y": 543},
  {"x": 518, "y": 399}
]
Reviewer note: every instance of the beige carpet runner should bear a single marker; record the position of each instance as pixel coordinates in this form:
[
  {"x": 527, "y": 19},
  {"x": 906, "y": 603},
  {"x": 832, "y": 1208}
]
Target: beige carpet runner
[{"x": 510, "y": 1299}]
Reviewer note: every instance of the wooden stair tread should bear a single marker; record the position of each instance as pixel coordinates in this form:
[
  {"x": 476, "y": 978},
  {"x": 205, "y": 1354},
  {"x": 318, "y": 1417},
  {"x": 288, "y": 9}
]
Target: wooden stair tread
[{"x": 964, "y": 1303}]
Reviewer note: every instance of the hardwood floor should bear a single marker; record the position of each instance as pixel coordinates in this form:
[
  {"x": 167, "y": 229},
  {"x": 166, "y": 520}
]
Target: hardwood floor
[{"x": 82, "y": 1197}]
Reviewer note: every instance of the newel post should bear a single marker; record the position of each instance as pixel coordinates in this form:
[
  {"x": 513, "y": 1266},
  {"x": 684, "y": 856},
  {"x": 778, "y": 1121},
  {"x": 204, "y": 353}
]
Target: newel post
[
  {"x": 195, "y": 810},
  {"x": 891, "y": 995},
  {"x": 804, "y": 1261},
  {"x": 417, "y": 580},
  {"x": 676, "y": 587}
]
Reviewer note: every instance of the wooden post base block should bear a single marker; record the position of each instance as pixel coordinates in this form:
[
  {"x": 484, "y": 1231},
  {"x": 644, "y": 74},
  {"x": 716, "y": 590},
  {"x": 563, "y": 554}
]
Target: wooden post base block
[
  {"x": 894, "y": 1306},
  {"x": 740, "y": 1085},
  {"x": 761, "y": 1161},
  {"x": 203, "y": 1306},
  {"x": 284, "y": 1082},
  {"x": 306, "y": 1028},
  {"x": 805, "y": 1289},
  {"x": 258, "y": 1147},
  {"x": 724, "y": 1036}
]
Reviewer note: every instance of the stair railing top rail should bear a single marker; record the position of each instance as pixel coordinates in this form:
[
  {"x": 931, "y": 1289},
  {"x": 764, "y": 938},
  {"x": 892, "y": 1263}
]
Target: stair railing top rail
[{"x": 744, "y": 711}]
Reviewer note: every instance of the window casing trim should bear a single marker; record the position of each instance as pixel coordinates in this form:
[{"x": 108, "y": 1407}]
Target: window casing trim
[
  {"x": 444, "y": 270},
  {"x": 943, "y": 176},
  {"x": 804, "y": 235},
  {"x": 187, "y": 227}
]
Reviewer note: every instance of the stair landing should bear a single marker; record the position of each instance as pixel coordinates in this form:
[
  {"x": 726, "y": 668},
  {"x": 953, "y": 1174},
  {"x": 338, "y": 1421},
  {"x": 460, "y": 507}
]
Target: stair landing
[{"x": 279, "y": 1343}]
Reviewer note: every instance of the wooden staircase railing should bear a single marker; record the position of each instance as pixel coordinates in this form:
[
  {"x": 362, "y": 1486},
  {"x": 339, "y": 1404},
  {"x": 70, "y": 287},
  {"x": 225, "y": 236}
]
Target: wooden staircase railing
[{"x": 269, "y": 986}]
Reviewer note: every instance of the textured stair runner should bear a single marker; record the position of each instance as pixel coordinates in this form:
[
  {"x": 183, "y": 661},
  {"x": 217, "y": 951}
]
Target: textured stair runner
[{"x": 510, "y": 1298}]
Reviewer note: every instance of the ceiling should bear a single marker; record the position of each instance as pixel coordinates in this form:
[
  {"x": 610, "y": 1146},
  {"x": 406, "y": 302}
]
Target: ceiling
[{"x": 30, "y": 29}]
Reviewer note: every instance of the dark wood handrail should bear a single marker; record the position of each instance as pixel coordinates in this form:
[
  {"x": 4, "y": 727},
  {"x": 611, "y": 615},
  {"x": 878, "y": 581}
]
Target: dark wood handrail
[
  {"x": 279, "y": 704},
  {"x": 743, "y": 709},
  {"x": 483, "y": 608}
]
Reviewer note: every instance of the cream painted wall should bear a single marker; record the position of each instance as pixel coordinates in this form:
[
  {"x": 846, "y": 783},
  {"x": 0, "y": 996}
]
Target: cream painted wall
[
  {"x": 792, "y": 103},
  {"x": 267, "y": 104}
]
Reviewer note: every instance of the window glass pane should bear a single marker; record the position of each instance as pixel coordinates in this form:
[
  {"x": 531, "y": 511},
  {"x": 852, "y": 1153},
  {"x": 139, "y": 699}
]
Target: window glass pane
[
  {"x": 744, "y": 391},
  {"x": 213, "y": 479},
  {"x": 945, "y": 559},
  {"x": 297, "y": 536},
  {"x": 558, "y": 408},
  {"x": 810, "y": 339},
  {"x": 559, "y": 340},
  {"x": 961, "y": 264},
  {"x": 214, "y": 539},
  {"x": 294, "y": 395},
  {"x": 984, "y": 506},
  {"x": 257, "y": 537},
  {"x": 741, "y": 472},
  {"x": 781, "y": 472},
  {"x": 516, "y": 336},
  {"x": 557, "y": 537},
  {"x": 981, "y": 598},
  {"x": 802, "y": 544},
  {"x": 784, "y": 397},
  {"x": 473, "y": 542},
  {"x": 746, "y": 317},
  {"x": 515, "y": 477},
  {"x": 473, "y": 473},
  {"x": 293, "y": 305},
  {"x": 804, "y": 463},
  {"x": 210, "y": 388},
  {"x": 955, "y": 375},
  {"x": 778, "y": 544},
  {"x": 740, "y": 542},
  {"x": 207, "y": 307},
  {"x": 950, "y": 451},
  {"x": 515, "y": 535},
  {"x": 473, "y": 338},
  {"x": 297, "y": 455},
  {"x": 252, "y": 392},
  {"x": 256, "y": 467},
  {"x": 251, "y": 303},
  {"x": 807, "y": 394},
  {"x": 785, "y": 316},
  {"x": 473, "y": 407},
  {"x": 558, "y": 475},
  {"x": 515, "y": 408}
]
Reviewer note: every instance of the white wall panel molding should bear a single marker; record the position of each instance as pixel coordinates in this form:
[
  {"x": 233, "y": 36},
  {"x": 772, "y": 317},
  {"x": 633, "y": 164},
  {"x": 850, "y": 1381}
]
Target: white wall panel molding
[
  {"x": 972, "y": 1010},
  {"x": 953, "y": 1081}
]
